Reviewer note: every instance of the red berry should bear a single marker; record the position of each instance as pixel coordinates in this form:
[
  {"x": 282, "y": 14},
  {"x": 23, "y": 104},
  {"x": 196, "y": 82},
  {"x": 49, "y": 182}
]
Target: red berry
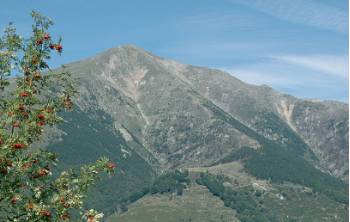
[
  {"x": 45, "y": 213},
  {"x": 18, "y": 146},
  {"x": 111, "y": 166},
  {"x": 47, "y": 36},
  {"x": 14, "y": 200},
  {"x": 24, "y": 94},
  {"x": 52, "y": 46},
  {"x": 58, "y": 47},
  {"x": 41, "y": 116},
  {"x": 41, "y": 123},
  {"x": 43, "y": 172},
  {"x": 39, "y": 41}
]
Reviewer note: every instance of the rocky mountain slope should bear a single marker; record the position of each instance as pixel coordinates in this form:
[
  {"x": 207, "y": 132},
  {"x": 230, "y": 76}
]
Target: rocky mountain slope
[
  {"x": 154, "y": 115},
  {"x": 159, "y": 102}
]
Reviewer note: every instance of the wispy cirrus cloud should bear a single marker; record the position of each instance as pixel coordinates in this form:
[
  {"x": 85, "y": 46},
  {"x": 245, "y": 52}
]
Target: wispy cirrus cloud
[
  {"x": 297, "y": 47},
  {"x": 323, "y": 76},
  {"x": 307, "y": 12},
  {"x": 336, "y": 65},
  {"x": 262, "y": 77}
]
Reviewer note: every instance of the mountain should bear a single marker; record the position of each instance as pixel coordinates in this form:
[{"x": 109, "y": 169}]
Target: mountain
[{"x": 239, "y": 142}]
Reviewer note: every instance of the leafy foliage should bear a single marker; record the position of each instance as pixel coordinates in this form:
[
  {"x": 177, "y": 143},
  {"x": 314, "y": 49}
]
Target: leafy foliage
[{"x": 28, "y": 191}]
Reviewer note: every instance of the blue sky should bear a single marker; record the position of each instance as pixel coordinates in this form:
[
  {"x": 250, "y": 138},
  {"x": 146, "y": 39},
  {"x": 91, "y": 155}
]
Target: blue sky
[{"x": 299, "y": 47}]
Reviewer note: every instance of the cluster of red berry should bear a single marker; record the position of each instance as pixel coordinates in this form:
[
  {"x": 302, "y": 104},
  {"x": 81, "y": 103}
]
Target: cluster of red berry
[
  {"x": 41, "y": 118},
  {"x": 45, "y": 213},
  {"x": 64, "y": 203},
  {"x": 58, "y": 47},
  {"x": 45, "y": 38},
  {"x": 30, "y": 206},
  {"x": 19, "y": 146}
]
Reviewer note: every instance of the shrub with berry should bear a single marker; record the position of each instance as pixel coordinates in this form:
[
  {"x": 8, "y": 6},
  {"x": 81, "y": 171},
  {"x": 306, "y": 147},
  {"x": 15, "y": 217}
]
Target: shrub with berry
[{"x": 30, "y": 102}]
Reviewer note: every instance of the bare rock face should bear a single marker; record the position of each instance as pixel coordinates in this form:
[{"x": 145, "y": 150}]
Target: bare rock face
[
  {"x": 325, "y": 127},
  {"x": 160, "y": 104}
]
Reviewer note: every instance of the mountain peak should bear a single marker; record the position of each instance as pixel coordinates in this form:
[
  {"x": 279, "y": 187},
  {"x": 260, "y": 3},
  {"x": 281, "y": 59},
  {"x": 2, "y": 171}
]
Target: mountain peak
[{"x": 128, "y": 49}]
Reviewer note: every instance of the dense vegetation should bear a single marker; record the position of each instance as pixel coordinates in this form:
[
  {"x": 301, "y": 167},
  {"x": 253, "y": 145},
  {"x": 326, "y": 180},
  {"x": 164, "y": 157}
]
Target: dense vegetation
[
  {"x": 97, "y": 137},
  {"x": 171, "y": 182},
  {"x": 135, "y": 177},
  {"x": 195, "y": 205},
  {"x": 282, "y": 162},
  {"x": 280, "y": 165},
  {"x": 282, "y": 203},
  {"x": 247, "y": 208},
  {"x": 270, "y": 124}
]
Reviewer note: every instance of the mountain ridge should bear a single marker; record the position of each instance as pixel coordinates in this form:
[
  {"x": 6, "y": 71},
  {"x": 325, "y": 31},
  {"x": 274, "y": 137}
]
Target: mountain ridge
[
  {"x": 262, "y": 97},
  {"x": 140, "y": 49},
  {"x": 153, "y": 116}
]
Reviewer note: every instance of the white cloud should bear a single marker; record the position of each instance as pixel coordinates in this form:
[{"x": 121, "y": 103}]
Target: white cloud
[
  {"x": 316, "y": 76},
  {"x": 307, "y": 12},
  {"x": 216, "y": 50},
  {"x": 328, "y": 64},
  {"x": 256, "y": 77}
]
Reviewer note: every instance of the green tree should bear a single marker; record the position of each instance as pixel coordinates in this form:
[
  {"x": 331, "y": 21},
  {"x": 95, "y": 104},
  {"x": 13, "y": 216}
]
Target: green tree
[{"x": 29, "y": 104}]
